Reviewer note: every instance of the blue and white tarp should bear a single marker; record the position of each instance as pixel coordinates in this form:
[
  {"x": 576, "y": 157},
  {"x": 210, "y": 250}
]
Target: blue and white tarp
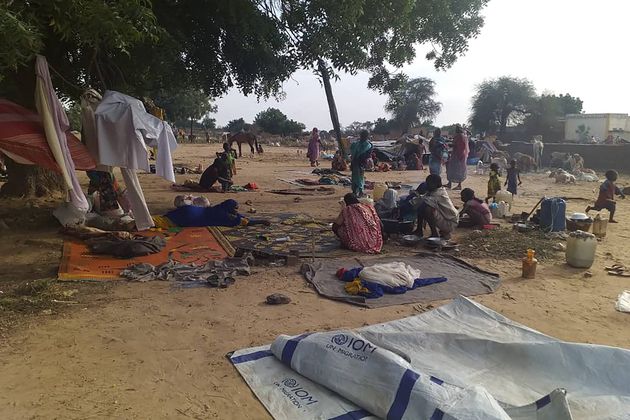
[{"x": 460, "y": 361}]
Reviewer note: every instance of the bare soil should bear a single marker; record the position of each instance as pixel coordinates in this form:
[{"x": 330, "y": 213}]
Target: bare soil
[{"x": 135, "y": 351}]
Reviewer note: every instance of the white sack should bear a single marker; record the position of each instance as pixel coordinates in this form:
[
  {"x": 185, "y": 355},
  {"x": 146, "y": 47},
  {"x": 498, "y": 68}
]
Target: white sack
[{"x": 391, "y": 274}]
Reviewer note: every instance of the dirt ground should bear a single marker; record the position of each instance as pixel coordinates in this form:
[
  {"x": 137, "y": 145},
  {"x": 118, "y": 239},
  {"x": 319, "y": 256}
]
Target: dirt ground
[{"x": 135, "y": 351}]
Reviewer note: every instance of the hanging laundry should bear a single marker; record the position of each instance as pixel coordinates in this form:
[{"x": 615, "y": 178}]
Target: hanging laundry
[
  {"x": 125, "y": 131},
  {"x": 56, "y": 125}
]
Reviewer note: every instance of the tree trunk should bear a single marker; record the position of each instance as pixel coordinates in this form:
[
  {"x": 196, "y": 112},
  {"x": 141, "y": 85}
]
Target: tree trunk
[
  {"x": 334, "y": 117},
  {"x": 191, "y": 126},
  {"x": 28, "y": 180}
]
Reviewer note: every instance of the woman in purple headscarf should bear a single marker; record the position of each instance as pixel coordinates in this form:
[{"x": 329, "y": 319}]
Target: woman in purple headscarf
[{"x": 313, "y": 148}]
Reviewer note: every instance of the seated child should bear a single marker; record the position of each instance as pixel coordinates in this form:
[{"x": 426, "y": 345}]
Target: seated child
[{"x": 476, "y": 209}]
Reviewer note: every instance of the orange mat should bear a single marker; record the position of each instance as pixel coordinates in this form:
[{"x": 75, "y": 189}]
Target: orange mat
[{"x": 185, "y": 245}]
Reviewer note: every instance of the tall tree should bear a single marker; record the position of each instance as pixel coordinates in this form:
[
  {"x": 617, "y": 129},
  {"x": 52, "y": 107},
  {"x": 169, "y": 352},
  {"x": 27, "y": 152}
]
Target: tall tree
[
  {"x": 412, "y": 102},
  {"x": 373, "y": 35},
  {"x": 237, "y": 125},
  {"x": 501, "y": 102},
  {"x": 546, "y": 115},
  {"x": 356, "y": 127},
  {"x": 271, "y": 120},
  {"x": 383, "y": 126},
  {"x": 186, "y": 105},
  {"x": 274, "y": 121},
  {"x": 140, "y": 47}
]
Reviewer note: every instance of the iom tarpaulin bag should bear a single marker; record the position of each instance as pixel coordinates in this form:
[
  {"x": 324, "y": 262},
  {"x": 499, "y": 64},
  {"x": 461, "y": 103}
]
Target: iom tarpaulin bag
[{"x": 380, "y": 381}]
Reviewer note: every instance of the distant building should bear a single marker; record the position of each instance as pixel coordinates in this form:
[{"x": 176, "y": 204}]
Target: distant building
[{"x": 599, "y": 126}]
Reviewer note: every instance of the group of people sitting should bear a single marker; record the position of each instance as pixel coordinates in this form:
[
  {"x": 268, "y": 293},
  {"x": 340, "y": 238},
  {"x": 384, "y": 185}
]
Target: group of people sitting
[{"x": 360, "y": 229}]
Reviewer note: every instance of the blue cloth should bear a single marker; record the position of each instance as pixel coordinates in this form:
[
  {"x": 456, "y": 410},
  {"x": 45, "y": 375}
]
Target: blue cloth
[
  {"x": 360, "y": 151},
  {"x": 435, "y": 165},
  {"x": 378, "y": 290},
  {"x": 512, "y": 180},
  {"x": 223, "y": 214}
]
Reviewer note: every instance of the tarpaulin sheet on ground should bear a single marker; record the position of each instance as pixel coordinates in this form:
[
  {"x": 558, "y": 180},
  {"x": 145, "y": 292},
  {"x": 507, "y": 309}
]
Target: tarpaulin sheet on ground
[
  {"x": 184, "y": 245},
  {"x": 462, "y": 279},
  {"x": 459, "y": 361}
]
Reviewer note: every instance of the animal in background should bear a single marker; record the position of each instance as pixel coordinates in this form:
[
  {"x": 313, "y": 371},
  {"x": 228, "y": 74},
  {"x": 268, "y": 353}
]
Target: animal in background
[
  {"x": 562, "y": 177},
  {"x": 525, "y": 163}
]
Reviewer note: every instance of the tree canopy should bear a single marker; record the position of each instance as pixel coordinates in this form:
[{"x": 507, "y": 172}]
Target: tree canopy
[
  {"x": 142, "y": 47},
  {"x": 501, "y": 102},
  {"x": 546, "y": 113},
  {"x": 273, "y": 121},
  {"x": 237, "y": 125},
  {"x": 183, "y": 106},
  {"x": 412, "y": 102}
]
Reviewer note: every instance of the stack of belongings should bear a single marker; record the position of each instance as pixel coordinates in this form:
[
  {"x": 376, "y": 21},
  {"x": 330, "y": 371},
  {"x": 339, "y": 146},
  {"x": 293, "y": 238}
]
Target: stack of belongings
[{"x": 374, "y": 281}]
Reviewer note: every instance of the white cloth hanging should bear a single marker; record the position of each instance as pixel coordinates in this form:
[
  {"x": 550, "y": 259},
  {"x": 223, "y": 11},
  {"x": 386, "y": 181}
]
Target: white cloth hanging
[
  {"x": 138, "y": 204},
  {"x": 56, "y": 125},
  {"x": 125, "y": 132}
]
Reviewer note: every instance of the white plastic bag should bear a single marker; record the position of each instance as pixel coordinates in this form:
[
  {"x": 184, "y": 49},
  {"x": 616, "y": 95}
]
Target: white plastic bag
[{"x": 623, "y": 301}]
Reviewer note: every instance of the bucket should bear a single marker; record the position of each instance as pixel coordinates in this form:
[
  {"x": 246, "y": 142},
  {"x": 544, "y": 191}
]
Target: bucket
[{"x": 581, "y": 248}]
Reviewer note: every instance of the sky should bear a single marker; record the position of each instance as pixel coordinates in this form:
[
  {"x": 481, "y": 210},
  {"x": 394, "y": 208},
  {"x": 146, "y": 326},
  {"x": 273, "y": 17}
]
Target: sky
[{"x": 578, "y": 47}]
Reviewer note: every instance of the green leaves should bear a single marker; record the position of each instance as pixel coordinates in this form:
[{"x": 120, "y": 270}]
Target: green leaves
[
  {"x": 413, "y": 102},
  {"x": 501, "y": 102},
  {"x": 273, "y": 121}
]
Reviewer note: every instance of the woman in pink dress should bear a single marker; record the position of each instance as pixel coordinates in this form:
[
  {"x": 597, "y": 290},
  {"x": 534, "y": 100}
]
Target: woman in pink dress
[
  {"x": 313, "y": 148},
  {"x": 456, "y": 170},
  {"x": 359, "y": 227}
]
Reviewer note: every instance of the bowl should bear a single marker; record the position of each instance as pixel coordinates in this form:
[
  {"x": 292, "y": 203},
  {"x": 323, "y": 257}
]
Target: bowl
[
  {"x": 579, "y": 216},
  {"x": 410, "y": 240}
]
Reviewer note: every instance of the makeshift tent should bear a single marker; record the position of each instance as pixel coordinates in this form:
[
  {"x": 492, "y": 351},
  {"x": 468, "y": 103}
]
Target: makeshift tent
[
  {"x": 22, "y": 139},
  {"x": 402, "y": 148}
]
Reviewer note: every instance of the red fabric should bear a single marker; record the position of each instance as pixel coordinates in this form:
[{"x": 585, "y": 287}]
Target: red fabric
[
  {"x": 22, "y": 133},
  {"x": 361, "y": 229},
  {"x": 460, "y": 147}
]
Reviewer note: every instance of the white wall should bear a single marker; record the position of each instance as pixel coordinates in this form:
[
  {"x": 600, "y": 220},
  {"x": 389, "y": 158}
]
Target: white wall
[{"x": 597, "y": 123}]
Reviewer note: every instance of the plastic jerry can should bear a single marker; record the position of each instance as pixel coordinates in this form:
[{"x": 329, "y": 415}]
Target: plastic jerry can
[
  {"x": 599, "y": 226},
  {"x": 553, "y": 215}
]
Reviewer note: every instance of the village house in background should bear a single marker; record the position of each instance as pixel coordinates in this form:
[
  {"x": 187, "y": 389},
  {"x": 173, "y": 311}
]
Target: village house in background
[{"x": 581, "y": 128}]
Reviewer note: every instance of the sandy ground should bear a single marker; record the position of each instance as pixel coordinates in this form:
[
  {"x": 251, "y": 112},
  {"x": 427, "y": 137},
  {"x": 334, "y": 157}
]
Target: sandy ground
[{"x": 138, "y": 351}]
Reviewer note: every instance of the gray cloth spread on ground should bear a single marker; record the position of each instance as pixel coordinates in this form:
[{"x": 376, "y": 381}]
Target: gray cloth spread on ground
[
  {"x": 463, "y": 279},
  {"x": 126, "y": 248},
  {"x": 214, "y": 273}
]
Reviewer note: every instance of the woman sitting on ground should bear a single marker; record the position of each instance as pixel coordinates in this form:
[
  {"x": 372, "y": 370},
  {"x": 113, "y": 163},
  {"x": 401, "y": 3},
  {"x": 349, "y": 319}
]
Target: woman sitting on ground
[
  {"x": 358, "y": 226},
  {"x": 476, "y": 209},
  {"x": 437, "y": 210},
  {"x": 224, "y": 214},
  {"x": 339, "y": 163}
]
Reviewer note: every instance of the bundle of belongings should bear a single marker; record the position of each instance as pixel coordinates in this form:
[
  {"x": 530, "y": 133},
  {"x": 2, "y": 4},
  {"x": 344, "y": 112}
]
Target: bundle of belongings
[
  {"x": 212, "y": 274},
  {"x": 374, "y": 281},
  {"x": 120, "y": 244}
]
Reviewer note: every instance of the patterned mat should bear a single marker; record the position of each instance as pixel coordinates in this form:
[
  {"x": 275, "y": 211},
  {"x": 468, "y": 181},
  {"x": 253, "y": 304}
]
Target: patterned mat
[
  {"x": 184, "y": 245},
  {"x": 288, "y": 233}
]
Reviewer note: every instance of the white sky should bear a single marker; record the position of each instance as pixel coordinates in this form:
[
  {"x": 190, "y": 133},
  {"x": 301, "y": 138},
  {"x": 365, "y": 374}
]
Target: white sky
[{"x": 563, "y": 46}]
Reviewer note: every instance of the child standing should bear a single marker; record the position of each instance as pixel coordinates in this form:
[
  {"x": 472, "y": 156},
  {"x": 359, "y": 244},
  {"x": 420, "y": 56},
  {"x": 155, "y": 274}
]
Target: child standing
[
  {"x": 513, "y": 178},
  {"x": 494, "y": 183},
  {"x": 606, "y": 198}
]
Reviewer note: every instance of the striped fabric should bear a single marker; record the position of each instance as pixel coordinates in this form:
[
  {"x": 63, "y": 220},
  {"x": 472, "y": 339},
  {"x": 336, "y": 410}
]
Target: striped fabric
[{"x": 22, "y": 136}]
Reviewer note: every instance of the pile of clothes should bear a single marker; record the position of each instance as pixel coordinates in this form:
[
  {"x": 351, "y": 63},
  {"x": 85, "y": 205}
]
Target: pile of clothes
[{"x": 393, "y": 278}]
